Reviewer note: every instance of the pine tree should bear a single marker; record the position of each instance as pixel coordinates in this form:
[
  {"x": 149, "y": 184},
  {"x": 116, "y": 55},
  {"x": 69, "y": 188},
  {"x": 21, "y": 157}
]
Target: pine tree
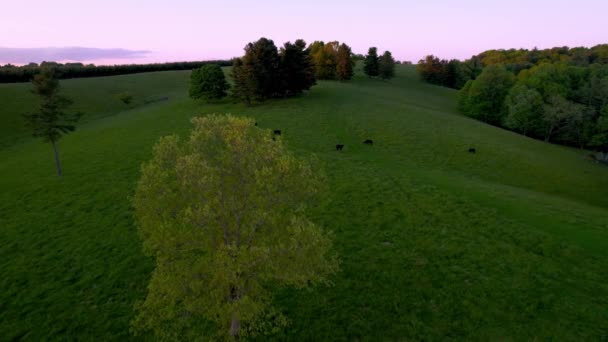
[
  {"x": 261, "y": 60},
  {"x": 345, "y": 64},
  {"x": 371, "y": 67},
  {"x": 386, "y": 66},
  {"x": 297, "y": 68},
  {"x": 243, "y": 89}
]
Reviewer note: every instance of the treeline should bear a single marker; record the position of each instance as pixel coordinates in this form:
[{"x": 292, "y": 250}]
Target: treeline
[
  {"x": 557, "y": 102},
  {"x": 13, "y": 74},
  {"x": 559, "y": 95},
  {"x": 454, "y": 73},
  {"x": 266, "y": 71},
  {"x": 448, "y": 73}
]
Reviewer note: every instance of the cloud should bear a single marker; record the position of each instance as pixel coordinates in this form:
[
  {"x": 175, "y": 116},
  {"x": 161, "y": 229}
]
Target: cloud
[{"x": 61, "y": 54}]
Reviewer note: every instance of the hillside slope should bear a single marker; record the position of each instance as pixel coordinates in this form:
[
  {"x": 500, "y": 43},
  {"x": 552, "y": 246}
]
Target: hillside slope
[{"x": 436, "y": 243}]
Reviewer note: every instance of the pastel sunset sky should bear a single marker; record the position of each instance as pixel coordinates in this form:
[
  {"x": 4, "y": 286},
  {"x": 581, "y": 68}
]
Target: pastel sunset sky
[{"x": 176, "y": 30}]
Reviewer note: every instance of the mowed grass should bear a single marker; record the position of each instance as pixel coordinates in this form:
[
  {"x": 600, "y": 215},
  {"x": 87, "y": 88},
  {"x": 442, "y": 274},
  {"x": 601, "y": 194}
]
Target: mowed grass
[{"x": 510, "y": 243}]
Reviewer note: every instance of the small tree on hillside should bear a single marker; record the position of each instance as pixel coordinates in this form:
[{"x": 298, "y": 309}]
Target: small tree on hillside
[
  {"x": 208, "y": 83},
  {"x": 125, "y": 97},
  {"x": 386, "y": 66},
  {"x": 345, "y": 63},
  {"x": 223, "y": 214},
  {"x": 371, "y": 67},
  {"x": 51, "y": 122}
]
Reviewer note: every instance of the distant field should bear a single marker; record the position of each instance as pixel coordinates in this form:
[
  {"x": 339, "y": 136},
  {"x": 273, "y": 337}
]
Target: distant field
[
  {"x": 510, "y": 243},
  {"x": 95, "y": 97}
]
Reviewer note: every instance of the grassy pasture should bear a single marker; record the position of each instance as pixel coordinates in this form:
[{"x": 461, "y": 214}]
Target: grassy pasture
[{"x": 509, "y": 243}]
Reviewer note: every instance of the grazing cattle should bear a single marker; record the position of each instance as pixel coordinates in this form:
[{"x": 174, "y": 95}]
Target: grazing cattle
[
  {"x": 277, "y": 132},
  {"x": 472, "y": 150},
  {"x": 339, "y": 147},
  {"x": 255, "y": 124},
  {"x": 369, "y": 142}
]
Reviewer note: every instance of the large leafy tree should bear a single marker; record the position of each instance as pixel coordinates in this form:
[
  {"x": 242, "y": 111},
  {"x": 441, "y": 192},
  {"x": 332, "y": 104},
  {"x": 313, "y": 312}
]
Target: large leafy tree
[
  {"x": 386, "y": 66},
  {"x": 297, "y": 68},
  {"x": 325, "y": 57},
  {"x": 563, "y": 117},
  {"x": 345, "y": 63},
  {"x": 371, "y": 63},
  {"x": 51, "y": 121},
  {"x": 208, "y": 83},
  {"x": 525, "y": 108},
  {"x": 224, "y": 215},
  {"x": 431, "y": 69},
  {"x": 486, "y": 95}
]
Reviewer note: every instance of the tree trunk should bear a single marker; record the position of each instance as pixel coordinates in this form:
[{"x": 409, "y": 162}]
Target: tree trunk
[
  {"x": 57, "y": 162},
  {"x": 235, "y": 326}
]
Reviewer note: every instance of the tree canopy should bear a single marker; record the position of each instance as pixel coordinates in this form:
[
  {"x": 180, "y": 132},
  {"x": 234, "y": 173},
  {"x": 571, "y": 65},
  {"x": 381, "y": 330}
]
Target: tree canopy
[
  {"x": 208, "y": 83},
  {"x": 297, "y": 68},
  {"x": 224, "y": 216},
  {"x": 386, "y": 66},
  {"x": 371, "y": 63},
  {"x": 264, "y": 72},
  {"x": 485, "y": 96}
]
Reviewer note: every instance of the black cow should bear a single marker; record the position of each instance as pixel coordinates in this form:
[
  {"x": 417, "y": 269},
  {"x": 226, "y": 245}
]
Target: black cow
[
  {"x": 472, "y": 150},
  {"x": 255, "y": 124},
  {"x": 277, "y": 132},
  {"x": 369, "y": 142},
  {"x": 339, "y": 147}
]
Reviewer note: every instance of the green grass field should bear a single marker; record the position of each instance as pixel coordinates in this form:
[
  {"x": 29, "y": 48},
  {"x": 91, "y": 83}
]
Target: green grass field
[{"x": 510, "y": 243}]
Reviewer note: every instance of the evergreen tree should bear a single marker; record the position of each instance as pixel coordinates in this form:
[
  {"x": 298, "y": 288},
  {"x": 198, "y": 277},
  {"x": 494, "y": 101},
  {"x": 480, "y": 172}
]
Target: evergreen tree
[
  {"x": 261, "y": 63},
  {"x": 51, "y": 122},
  {"x": 224, "y": 216},
  {"x": 371, "y": 63},
  {"x": 345, "y": 63},
  {"x": 297, "y": 68},
  {"x": 208, "y": 83},
  {"x": 243, "y": 89},
  {"x": 386, "y": 66}
]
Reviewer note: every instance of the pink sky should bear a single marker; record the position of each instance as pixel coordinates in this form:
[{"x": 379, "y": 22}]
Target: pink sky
[{"x": 198, "y": 29}]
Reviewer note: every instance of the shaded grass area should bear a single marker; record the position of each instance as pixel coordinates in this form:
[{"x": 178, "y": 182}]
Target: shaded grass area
[{"x": 436, "y": 243}]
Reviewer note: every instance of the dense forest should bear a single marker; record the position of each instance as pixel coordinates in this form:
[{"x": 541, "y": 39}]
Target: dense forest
[
  {"x": 13, "y": 74},
  {"x": 559, "y": 95}
]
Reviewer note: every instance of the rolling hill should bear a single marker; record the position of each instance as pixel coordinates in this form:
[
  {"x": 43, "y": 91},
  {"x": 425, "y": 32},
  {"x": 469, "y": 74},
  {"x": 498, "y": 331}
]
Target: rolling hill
[{"x": 436, "y": 243}]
